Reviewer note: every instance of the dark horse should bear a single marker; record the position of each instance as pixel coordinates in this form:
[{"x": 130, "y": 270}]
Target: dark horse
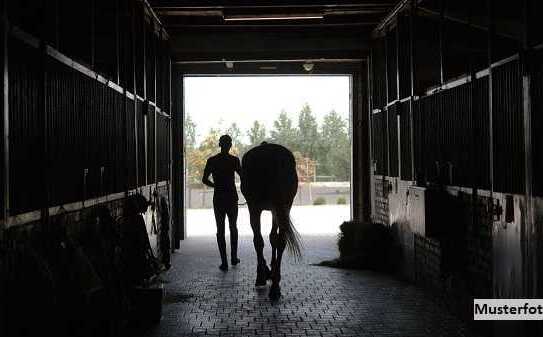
[{"x": 270, "y": 182}]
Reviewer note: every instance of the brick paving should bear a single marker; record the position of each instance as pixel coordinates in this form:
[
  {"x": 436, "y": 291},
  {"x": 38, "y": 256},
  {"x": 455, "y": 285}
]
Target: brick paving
[{"x": 201, "y": 300}]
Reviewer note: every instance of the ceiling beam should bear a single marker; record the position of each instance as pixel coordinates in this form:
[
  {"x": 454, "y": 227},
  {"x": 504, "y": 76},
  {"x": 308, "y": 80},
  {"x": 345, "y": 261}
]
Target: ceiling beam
[{"x": 173, "y": 4}]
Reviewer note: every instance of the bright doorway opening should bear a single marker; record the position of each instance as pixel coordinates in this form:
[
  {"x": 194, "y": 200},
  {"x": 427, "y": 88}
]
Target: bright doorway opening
[{"x": 310, "y": 115}]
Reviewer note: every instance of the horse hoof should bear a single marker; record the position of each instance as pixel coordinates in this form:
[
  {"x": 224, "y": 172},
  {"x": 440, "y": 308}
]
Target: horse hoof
[
  {"x": 263, "y": 273},
  {"x": 275, "y": 293},
  {"x": 260, "y": 282}
]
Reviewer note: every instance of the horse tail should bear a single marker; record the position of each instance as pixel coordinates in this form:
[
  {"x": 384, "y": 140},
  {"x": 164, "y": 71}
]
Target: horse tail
[{"x": 293, "y": 240}]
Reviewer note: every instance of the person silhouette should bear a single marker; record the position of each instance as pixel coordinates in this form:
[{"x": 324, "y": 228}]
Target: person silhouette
[{"x": 222, "y": 167}]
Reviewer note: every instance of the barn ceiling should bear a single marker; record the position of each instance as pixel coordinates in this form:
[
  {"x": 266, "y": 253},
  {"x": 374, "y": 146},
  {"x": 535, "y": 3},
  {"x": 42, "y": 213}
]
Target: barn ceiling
[{"x": 245, "y": 30}]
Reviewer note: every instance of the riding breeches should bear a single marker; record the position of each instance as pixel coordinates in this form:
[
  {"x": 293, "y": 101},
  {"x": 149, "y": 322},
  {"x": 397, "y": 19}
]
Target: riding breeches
[{"x": 226, "y": 207}]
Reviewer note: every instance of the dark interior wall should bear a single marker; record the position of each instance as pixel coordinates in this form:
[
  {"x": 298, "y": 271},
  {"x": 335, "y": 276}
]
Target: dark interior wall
[
  {"x": 472, "y": 204},
  {"x": 3, "y": 108},
  {"x": 453, "y": 118},
  {"x": 86, "y": 103},
  {"x": 258, "y": 43},
  {"x": 85, "y": 129}
]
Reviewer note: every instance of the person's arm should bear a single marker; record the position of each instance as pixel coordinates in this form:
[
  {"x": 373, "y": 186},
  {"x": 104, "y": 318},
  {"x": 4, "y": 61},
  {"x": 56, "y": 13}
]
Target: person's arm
[
  {"x": 207, "y": 173},
  {"x": 238, "y": 167}
]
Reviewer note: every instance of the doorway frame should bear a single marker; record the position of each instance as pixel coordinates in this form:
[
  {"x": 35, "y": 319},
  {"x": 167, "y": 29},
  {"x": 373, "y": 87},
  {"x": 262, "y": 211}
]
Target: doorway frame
[{"x": 360, "y": 128}]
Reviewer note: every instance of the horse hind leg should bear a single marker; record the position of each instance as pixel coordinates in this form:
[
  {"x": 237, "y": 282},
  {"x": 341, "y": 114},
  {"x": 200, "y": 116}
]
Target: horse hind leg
[
  {"x": 273, "y": 241},
  {"x": 262, "y": 270},
  {"x": 278, "y": 242}
]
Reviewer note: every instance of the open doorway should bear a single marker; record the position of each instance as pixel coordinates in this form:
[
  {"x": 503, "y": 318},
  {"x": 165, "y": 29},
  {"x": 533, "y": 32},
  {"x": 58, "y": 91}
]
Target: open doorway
[{"x": 310, "y": 115}]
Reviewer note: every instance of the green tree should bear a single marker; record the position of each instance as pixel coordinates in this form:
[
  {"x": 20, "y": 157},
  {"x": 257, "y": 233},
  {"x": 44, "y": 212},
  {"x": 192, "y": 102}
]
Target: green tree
[
  {"x": 308, "y": 133},
  {"x": 283, "y": 132},
  {"x": 197, "y": 157},
  {"x": 334, "y": 158},
  {"x": 256, "y": 134}
]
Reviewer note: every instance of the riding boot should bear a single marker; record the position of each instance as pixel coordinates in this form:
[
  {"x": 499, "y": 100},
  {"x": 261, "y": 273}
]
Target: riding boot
[
  {"x": 234, "y": 246},
  {"x": 222, "y": 249}
]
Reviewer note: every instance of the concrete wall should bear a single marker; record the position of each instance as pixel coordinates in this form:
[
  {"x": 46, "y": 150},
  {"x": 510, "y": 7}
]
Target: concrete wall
[
  {"x": 465, "y": 127},
  {"x": 452, "y": 244}
]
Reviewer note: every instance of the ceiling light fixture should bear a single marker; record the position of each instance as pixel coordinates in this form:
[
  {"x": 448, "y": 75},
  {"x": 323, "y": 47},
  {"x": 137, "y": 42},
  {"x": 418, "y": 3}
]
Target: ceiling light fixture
[
  {"x": 171, "y": 12},
  {"x": 308, "y": 66},
  {"x": 273, "y": 17}
]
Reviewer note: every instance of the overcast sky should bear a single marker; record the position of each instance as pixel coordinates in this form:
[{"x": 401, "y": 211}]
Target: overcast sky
[{"x": 217, "y": 102}]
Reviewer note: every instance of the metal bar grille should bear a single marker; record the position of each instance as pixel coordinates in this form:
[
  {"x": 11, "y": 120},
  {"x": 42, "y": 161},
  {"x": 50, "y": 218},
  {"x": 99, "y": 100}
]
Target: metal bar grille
[
  {"x": 88, "y": 135},
  {"x": 380, "y": 143},
  {"x": 405, "y": 141},
  {"x": 431, "y": 152},
  {"x": 90, "y": 124},
  {"x": 167, "y": 82},
  {"x": 392, "y": 119},
  {"x": 25, "y": 128},
  {"x": 140, "y": 122},
  {"x": 460, "y": 172},
  {"x": 457, "y": 130},
  {"x": 151, "y": 153},
  {"x": 451, "y": 137},
  {"x": 117, "y": 179},
  {"x": 131, "y": 146},
  {"x": 418, "y": 142},
  {"x": 508, "y": 131},
  {"x": 481, "y": 134},
  {"x": 4, "y": 122},
  {"x": 537, "y": 124},
  {"x": 64, "y": 135},
  {"x": 163, "y": 146},
  {"x": 93, "y": 115}
]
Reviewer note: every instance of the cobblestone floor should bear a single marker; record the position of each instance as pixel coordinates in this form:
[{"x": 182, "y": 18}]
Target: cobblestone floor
[{"x": 201, "y": 300}]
